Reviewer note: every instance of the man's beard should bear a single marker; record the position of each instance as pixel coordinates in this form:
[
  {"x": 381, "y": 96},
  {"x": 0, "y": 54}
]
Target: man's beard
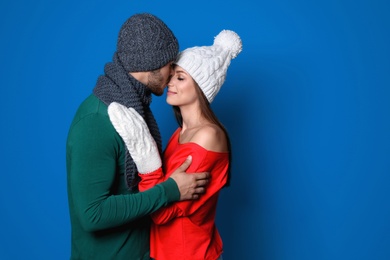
[{"x": 155, "y": 82}]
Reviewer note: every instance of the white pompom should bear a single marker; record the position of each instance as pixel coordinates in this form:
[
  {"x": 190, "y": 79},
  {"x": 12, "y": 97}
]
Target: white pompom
[{"x": 230, "y": 41}]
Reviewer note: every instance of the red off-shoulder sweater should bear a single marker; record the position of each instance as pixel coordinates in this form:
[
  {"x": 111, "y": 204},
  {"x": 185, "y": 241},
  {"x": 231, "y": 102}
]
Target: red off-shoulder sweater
[{"x": 186, "y": 229}]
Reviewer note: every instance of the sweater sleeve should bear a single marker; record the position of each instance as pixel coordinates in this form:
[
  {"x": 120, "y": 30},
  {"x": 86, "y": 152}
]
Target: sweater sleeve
[
  {"x": 203, "y": 161},
  {"x": 149, "y": 180},
  {"x": 94, "y": 151}
]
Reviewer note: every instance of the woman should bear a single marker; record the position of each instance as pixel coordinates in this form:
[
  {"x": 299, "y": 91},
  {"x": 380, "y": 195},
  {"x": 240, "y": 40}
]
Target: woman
[{"x": 186, "y": 230}]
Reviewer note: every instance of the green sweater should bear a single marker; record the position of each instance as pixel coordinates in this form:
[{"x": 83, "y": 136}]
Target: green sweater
[{"x": 108, "y": 221}]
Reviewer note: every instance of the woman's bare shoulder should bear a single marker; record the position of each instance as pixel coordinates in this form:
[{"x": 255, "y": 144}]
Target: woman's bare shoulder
[{"x": 211, "y": 137}]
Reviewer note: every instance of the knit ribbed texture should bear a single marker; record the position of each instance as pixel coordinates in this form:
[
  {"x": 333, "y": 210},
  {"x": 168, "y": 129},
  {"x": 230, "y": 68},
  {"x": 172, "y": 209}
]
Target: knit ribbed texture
[
  {"x": 208, "y": 65},
  {"x": 118, "y": 86},
  {"x": 146, "y": 43}
]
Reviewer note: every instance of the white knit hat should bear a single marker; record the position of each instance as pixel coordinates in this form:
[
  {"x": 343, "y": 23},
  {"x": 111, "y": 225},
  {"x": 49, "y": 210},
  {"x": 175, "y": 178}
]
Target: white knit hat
[{"x": 207, "y": 65}]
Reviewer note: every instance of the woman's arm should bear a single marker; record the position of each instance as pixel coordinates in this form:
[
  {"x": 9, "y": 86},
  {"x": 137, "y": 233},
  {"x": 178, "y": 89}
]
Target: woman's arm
[
  {"x": 203, "y": 160},
  {"x": 143, "y": 149}
]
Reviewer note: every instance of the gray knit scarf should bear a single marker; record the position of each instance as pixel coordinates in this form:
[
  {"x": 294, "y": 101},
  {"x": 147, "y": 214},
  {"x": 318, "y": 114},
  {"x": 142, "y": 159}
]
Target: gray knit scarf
[{"x": 116, "y": 85}]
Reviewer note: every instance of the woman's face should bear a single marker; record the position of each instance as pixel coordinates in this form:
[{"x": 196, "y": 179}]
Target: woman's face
[{"x": 181, "y": 88}]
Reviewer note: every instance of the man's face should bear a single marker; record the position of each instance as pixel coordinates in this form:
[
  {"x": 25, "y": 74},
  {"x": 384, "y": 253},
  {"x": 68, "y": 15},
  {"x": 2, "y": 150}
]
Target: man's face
[{"x": 158, "y": 79}]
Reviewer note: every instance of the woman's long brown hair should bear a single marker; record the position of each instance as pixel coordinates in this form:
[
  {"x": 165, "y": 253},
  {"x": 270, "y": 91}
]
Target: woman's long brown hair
[{"x": 208, "y": 113}]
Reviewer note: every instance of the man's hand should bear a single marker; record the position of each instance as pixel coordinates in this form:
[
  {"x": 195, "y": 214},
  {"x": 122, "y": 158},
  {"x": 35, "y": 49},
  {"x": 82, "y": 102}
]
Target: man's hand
[{"x": 190, "y": 185}]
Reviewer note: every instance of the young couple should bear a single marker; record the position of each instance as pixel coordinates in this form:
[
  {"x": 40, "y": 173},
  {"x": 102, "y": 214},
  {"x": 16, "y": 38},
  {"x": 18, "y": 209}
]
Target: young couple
[{"x": 127, "y": 198}]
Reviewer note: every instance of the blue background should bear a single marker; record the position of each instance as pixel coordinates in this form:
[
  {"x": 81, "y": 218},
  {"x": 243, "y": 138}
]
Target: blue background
[{"x": 306, "y": 104}]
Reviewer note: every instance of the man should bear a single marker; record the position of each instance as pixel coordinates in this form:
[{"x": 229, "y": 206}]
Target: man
[{"x": 109, "y": 217}]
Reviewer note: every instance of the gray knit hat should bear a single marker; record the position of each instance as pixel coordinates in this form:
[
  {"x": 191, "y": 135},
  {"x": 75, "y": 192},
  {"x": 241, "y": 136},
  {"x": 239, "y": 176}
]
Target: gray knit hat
[{"x": 146, "y": 43}]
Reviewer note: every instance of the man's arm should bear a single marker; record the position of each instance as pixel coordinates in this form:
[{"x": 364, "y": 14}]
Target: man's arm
[{"x": 92, "y": 172}]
